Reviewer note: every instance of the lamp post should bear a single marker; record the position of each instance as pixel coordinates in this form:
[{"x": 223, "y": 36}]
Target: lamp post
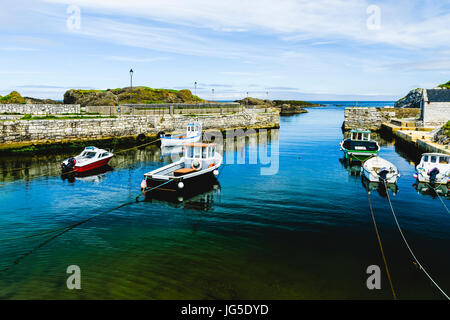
[
  {"x": 131, "y": 84},
  {"x": 212, "y": 94},
  {"x": 195, "y": 88}
]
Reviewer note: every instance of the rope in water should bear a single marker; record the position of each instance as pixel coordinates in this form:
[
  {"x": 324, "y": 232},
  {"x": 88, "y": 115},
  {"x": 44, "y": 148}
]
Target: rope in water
[
  {"x": 407, "y": 244},
  {"x": 440, "y": 198},
  {"x": 83, "y": 221},
  {"x": 381, "y": 247}
]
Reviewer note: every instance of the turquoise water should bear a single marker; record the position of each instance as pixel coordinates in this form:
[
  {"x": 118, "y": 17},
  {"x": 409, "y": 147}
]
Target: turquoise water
[{"x": 302, "y": 233}]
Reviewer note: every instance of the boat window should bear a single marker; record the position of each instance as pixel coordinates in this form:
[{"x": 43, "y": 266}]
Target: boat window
[
  {"x": 425, "y": 159},
  {"x": 90, "y": 155},
  {"x": 433, "y": 159},
  {"x": 213, "y": 149},
  {"x": 209, "y": 152},
  {"x": 443, "y": 160},
  {"x": 197, "y": 152},
  {"x": 190, "y": 152}
]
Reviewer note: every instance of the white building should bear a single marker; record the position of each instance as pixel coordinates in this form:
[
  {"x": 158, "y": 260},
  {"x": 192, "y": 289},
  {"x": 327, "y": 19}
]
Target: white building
[{"x": 435, "y": 107}]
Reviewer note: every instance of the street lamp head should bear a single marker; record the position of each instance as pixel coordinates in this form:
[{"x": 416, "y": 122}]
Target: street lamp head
[{"x": 131, "y": 72}]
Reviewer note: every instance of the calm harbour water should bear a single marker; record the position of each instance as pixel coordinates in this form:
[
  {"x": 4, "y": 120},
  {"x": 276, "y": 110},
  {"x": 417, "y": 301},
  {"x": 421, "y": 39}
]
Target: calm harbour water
[{"x": 302, "y": 233}]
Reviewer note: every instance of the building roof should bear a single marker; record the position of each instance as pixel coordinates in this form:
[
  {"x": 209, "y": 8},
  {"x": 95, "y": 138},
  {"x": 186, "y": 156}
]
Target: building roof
[{"x": 438, "y": 95}]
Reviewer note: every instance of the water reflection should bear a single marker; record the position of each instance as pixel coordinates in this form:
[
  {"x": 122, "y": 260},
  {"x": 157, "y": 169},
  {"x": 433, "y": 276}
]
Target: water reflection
[
  {"x": 92, "y": 176},
  {"x": 354, "y": 169},
  {"x": 201, "y": 198},
  {"x": 426, "y": 190},
  {"x": 379, "y": 187}
]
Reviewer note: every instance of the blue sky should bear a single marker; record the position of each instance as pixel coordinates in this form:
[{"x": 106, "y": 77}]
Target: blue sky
[{"x": 285, "y": 49}]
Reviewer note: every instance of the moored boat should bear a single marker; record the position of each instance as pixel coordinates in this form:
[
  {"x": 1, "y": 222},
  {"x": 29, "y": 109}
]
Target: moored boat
[
  {"x": 198, "y": 165},
  {"x": 193, "y": 134},
  {"x": 377, "y": 169},
  {"x": 359, "y": 147},
  {"x": 433, "y": 168},
  {"x": 90, "y": 158}
]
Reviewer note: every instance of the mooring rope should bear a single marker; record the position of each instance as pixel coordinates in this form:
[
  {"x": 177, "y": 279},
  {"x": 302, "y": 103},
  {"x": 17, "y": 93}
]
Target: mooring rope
[
  {"x": 85, "y": 220},
  {"x": 407, "y": 244},
  {"x": 381, "y": 247},
  {"x": 440, "y": 198}
]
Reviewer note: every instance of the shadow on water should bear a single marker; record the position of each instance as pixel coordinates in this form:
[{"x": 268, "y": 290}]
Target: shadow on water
[{"x": 201, "y": 199}]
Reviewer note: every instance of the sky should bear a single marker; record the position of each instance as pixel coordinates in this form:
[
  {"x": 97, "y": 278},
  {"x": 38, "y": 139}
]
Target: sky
[{"x": 276, "y": 49}]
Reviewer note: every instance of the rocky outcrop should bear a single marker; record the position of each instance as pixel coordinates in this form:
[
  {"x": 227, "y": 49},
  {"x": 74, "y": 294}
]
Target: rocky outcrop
[
  {"x": 30, "y": 100},
  {"x": 255, "y": 102},
  {"x": 287, "y": 109},
  {"x": 443, "y": 135},
  {"x": 90, "y": 97},
  {"x": 139, "y": 95},
  {"x": 411, "y": 100},
  {"x": 445, "y": 85},
  {"x": 13, "y": 98}
]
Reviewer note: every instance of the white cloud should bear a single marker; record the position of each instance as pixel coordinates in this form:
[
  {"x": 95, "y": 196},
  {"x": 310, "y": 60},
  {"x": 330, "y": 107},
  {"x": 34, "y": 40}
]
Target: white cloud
[
  {"x": 424, "y": 26},
  {"x": 135, "y": 59}
]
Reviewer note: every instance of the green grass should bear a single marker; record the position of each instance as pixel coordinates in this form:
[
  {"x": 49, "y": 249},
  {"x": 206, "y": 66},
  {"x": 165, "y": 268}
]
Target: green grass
[
  {"x": 447, "y": 129},
  {"x": 51, "y": 117},
  {"x": 445, "y": 85}
]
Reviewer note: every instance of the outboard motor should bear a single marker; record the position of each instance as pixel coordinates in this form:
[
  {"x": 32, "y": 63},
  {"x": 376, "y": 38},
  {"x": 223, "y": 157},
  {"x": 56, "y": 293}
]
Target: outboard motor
[
  {"x": 433, "y": 175},
  {"x": 382, "y": 173},
  {"x": 68, "y": 165}
]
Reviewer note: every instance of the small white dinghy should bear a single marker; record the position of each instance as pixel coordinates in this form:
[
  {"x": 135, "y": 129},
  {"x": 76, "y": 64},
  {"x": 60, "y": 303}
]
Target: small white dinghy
[
  {"x": 193, "y": 134},
  {"x": 377, "y": 169}
]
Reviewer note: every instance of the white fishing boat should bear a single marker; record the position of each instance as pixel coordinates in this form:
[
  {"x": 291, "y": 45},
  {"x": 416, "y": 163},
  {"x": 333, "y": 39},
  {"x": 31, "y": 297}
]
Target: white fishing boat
[
  {"x": 198, "y": 166},
  {"x": 377, "y": 169},
  {"x": 433, "y": 168},
  {"x": 193, "y": 134}
]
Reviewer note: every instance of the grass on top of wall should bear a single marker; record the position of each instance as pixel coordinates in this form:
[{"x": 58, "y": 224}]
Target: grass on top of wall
[{"x": 65, "y": 117}]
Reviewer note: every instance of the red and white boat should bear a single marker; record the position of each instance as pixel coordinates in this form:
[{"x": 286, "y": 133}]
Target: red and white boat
[{"x": 90, "y": 158}]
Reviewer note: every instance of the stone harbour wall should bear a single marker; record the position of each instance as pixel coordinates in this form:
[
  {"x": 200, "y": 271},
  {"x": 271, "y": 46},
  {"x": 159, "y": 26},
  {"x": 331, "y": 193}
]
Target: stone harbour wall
[
  {"x": 53, "y": 131},
  {"x": 371, "y": 118},
  {"x": 40, "y": 109},
  {"x": 436, "y": 113}
]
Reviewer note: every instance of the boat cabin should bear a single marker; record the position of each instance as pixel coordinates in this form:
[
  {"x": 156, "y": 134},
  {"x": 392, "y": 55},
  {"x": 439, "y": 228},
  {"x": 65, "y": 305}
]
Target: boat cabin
[
  {"x": 199, "y": 155},
  {"x": 93, "y": 152},
  {"x": 360, "y": 135},
  {"x": 193, "y": 129},
  {"x": 435, "y": 158}
]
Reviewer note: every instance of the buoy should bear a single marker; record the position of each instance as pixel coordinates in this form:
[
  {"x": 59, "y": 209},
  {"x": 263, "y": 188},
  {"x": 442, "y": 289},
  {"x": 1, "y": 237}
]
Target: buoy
[
  {"x": 216, "y": 172},
  {"x": 180, "y": 185},
  {"x": 415, "y": 176},
  {"x": 143, "y": 185}
]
